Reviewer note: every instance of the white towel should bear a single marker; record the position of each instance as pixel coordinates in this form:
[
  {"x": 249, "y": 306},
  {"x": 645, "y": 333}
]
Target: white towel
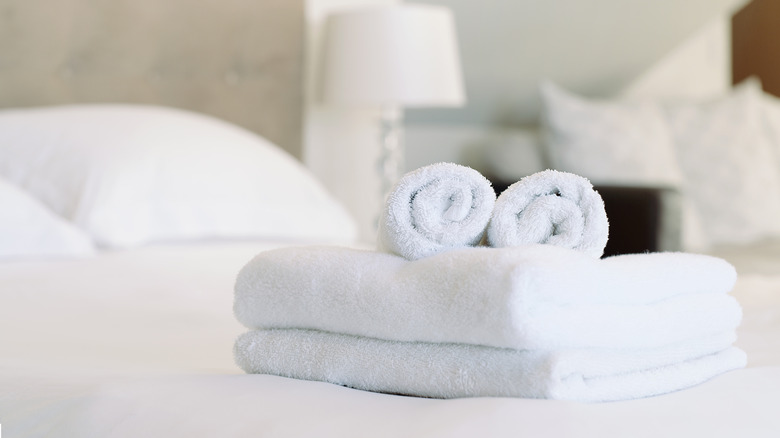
[
  {"x": 529, "y": 297},
  {"x": 436, "y": 208},
  {"x": 551, "y": 207},
  {"x": 456, "y": 370}
]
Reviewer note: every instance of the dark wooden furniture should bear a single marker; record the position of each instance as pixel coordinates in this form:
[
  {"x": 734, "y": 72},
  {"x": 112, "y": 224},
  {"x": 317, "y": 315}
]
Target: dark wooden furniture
[{"x": 641, "y": 219}]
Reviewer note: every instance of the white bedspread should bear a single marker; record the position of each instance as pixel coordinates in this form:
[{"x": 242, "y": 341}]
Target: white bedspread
[{"x": 139, "y": 343}]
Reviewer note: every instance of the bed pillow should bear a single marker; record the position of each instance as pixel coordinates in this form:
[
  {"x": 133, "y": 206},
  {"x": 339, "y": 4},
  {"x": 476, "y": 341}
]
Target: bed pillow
[
  {"x": 771, "y": 117},
  {"x": 131, "y": 175},
  {"x": 609, "y": 142},
  {"x": 731, "y": 170},
  {"x": 29, "y": 230}
]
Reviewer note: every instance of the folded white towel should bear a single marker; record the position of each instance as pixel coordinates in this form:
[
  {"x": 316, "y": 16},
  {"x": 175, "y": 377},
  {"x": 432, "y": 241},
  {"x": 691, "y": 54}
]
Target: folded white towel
[
  {"x": 456, "y": 370},
  {"x": 534, "y": 296},
  {"x": 551, "y": 207},
  {"x": 436, "y": 208}
]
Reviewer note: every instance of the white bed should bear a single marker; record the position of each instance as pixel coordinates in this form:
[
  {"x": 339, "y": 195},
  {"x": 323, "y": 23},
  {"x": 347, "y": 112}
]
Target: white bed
[
  {"x": 139, "y": 343},
  {"x": 116, "y": 298},
  {"x": 132, "y": 334}
]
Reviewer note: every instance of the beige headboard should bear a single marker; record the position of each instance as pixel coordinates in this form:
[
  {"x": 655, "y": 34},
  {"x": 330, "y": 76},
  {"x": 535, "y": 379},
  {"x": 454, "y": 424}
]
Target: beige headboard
[{"x": 240, "y": 60}]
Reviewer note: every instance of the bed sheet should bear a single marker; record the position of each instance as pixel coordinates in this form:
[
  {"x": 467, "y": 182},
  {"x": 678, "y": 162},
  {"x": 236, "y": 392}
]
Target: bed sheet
[{"x": 139, "y": 343}]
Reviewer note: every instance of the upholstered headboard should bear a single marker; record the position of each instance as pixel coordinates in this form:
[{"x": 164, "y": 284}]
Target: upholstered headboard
[{"x": 240, "y": 60}]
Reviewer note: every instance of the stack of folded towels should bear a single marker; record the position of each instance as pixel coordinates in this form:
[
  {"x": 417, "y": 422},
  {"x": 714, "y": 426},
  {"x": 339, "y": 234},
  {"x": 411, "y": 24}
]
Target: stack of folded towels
[{"x": 476, "y": 296}]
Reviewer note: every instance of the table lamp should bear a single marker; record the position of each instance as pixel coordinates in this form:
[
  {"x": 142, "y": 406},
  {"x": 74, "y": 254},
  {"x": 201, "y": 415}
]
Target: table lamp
[{"x": 391, "y": 57}]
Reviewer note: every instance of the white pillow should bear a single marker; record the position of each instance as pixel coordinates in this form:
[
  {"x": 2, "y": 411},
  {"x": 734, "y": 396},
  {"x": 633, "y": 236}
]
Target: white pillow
[
  {"x": 771, "y": 117},
  {"x": 608, "y": 142},
  {"x": 131, "y": 174},
  {"x": 731, "y": 172},
  {"x": 28, "y": 229}
]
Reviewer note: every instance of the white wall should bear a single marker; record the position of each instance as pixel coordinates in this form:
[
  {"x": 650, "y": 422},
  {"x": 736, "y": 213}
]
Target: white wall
[
  {"x": 698, "y": 68},
  {"x": 595, "y": 47}
]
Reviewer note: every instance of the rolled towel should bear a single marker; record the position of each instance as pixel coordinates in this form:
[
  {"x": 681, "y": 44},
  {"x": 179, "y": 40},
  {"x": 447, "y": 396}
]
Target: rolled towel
[
  {"x": 550, "y": 207},
  {"x": 436, "y": 208},
  {"x": 534, "y": 296},
  {"x": 457, "y": 370}
]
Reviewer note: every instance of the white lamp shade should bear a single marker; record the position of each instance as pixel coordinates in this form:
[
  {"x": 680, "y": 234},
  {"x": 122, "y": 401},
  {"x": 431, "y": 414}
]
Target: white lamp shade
[{"x": 403, "y": 55}]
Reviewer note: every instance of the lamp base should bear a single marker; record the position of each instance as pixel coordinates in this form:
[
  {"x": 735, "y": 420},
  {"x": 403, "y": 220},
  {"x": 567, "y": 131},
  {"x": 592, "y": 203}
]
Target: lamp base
[{"x": 391, "y": 157}]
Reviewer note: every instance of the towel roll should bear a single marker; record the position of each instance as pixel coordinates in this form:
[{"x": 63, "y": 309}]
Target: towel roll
[
  {"x": 550, "y": 207},
  {"x": 435, "y": 208}
]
